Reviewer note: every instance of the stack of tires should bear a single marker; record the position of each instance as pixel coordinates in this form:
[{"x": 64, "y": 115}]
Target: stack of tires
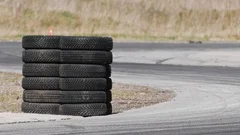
[
  {"x": 85, "y": 72},
  {"x": 41, "y": 59},
  {"x": 67, "y": 75}
]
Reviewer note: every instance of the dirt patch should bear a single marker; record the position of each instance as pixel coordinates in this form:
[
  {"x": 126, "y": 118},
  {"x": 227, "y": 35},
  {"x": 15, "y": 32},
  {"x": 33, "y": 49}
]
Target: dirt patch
[{"x": 125, "y": 97}]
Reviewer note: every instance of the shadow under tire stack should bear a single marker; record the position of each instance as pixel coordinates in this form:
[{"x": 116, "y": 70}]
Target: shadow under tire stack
[
  {"x": 85, "y": 72},
  {"x": 41, "y": 57}
]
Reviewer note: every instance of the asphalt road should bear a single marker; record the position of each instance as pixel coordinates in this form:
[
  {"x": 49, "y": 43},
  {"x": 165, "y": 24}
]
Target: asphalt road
[
  {"x": 207, "y": 101},
  {"x": 173, "y": 46}
]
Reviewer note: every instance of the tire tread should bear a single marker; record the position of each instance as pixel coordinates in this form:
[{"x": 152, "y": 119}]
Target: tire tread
[
  {"x": 41, "y": 108},
  {"x": 86, "y": 43}
]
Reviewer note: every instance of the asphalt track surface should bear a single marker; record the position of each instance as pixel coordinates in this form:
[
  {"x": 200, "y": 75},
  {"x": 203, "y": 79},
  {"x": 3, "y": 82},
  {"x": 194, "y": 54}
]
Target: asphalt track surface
[{"x": 207, "y": 101}]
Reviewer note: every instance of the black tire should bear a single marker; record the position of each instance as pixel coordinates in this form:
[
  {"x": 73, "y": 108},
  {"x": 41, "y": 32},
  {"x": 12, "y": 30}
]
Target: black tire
[
  {"x": 40, "y": 83},
  {"x": 109, "y": 96},
  {"x": 85, "y": 110},
  {"x": 41, "y": 56},
  {"x": 41, "y": 42},
  {"x": 109, "y": 108},
  {"x": 84, "y": 84},
  {"x": 83, "y": 97},
  {"x": 84, "y": 71},
  {"x": 41, "y": 108},
  {"x": 41, "y": 70},
  {"x": 109, "y": 71},
  {"x": 109, "y": 83},
  {"x": 86, "y": 43},
  {"x": 85, "y": 57},
  {"x": 42, "y": 96}
]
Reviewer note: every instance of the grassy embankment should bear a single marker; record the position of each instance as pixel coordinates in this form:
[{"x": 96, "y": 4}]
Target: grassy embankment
[
  {"x": 125, "y": 97},
  {"x": 123, "y": 19}
]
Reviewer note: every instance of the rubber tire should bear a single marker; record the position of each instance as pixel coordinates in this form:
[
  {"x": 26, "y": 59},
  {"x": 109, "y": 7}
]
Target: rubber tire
[
  {"x": 40, "y": 83},
  {"x": 41, "y": 70},
  {"x": 109, "y": 108},
  {"x": 109, "y": 96},
  {"x": 85, "y": 57},
  {"x": 41, "y": 42},
  {"x": 73, "y": 97},
  {"x": 85, "y": 110},
  {"x": 41, "y": 108},
  {"x": 42, "y": 96},
  {"x": 84, "y": 71},
  {"x": 86, "y": 43},
  {"x": 84, "y": 84},
  {"x": 41, "y": 56},
  {"x": 109, "y": 83}
]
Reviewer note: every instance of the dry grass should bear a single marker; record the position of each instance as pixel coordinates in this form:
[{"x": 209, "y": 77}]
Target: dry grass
[
  {"x": 131, "y": 19},
  {"x": 125, "y": 97},
  {"x": 10, "y": 92}
]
